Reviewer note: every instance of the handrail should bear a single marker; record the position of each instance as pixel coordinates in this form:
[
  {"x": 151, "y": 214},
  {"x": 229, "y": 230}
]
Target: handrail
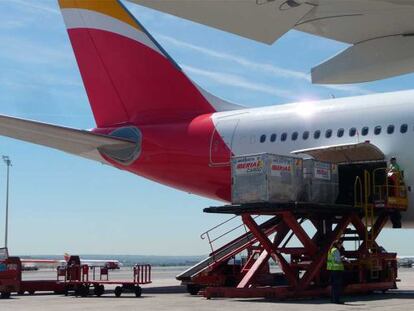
[
  {"x": 215, "y": 227},
  {"x": 399, "y": 190},
  {"x": 211, "y": 241}
]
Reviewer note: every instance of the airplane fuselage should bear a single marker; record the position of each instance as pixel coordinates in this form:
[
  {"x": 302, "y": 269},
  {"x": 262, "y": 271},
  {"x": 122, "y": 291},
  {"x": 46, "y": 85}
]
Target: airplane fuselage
[{"x": 194, "y": 156}]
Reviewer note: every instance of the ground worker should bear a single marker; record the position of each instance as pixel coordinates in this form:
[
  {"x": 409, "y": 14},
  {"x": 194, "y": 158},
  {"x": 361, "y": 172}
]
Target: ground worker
[
  {"x": 394, "y": 176},
  {"x": 335, "y": 266},
  {"x": 394, "y": 167}
]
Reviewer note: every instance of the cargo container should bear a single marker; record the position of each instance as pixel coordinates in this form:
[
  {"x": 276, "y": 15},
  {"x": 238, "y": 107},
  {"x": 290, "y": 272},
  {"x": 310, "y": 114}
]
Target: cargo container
[
  {"x": 266, "y": 178},
  {"x": 320, "y": 181}
]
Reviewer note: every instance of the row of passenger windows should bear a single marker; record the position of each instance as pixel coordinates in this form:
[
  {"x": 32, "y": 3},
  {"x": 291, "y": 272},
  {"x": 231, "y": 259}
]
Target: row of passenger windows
[{"x": 339, "y": 133}]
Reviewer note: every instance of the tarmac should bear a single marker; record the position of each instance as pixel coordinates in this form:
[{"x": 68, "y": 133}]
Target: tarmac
[{"x": 165, "y": 293}]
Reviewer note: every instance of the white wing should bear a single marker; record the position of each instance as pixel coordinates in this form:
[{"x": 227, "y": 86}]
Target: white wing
[{"x": 379, "y": 31}]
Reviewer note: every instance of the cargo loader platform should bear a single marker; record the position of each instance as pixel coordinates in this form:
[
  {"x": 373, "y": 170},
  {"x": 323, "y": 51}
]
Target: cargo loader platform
[
  {"x": 307, "y": 206},
  {"x": 267, "y": 208},
  {"x": 303, "y": 273}
]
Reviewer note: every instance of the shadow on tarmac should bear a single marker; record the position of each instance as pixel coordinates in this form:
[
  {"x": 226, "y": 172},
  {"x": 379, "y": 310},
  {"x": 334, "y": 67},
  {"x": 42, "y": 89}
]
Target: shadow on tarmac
[
  {"x": 353, "y": 301},
  {"x": 176, "y": 289}
]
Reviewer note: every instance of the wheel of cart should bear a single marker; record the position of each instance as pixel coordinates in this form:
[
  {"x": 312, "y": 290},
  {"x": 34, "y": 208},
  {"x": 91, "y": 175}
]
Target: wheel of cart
[
  {"x": 5, "y": 295},
  {"x": 118, "y": 291},
  {"x": 193, "y": 289},
  {"x": 138, "y": 291},
  {"x": 82, "y": 290},
  {"x": 130, "y": 288},
  {"x": 98, "y": 290}
]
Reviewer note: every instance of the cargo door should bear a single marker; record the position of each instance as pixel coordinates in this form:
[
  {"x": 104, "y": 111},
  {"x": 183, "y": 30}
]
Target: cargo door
[
  {"x": 222, "y": 141},
  {"x": 346, "y": 153}
]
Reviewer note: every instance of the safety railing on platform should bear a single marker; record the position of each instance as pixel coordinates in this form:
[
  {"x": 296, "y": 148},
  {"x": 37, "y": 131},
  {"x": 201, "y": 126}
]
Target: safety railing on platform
[
  {"x": 381, "y": 191},
  {"x": 142, "y": 274},
  {"x": 390, "y": 195},
  {"x": 362, "y": 196},
  {"x": 211, "y": 240}
]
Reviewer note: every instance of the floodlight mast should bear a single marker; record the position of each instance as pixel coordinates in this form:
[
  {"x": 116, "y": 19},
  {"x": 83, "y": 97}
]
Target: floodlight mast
[{"x": 7, "y": 161}]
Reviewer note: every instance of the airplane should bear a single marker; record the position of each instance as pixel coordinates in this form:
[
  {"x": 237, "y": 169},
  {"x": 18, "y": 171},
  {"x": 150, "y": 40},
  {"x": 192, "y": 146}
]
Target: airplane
[
  {"x": 29, "y": 264},
  {"x": 111, "y": 264},
  {"x": 379, "y": 32},
  {"x": 405, "y": 261},
  {"x": 153, "y": 121},
  {"x": 35, "y": 264}
]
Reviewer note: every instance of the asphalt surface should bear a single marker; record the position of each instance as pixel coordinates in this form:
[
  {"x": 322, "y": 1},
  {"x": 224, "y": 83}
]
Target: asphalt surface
[{"x": 165, "y": 293}]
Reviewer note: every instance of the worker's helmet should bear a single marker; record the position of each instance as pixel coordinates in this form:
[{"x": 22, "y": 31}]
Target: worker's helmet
[{"x": 393, "y": 159}]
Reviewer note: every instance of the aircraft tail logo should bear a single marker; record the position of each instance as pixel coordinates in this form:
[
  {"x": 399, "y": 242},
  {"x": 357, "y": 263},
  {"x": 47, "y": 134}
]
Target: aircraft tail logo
[{"x": 128, "y": 76}]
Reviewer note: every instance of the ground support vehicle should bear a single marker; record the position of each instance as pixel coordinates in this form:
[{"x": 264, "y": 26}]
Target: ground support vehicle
[
  {"x": 11, "y": 279},
  {"x": 297, "y": 236},
  {"x": 80, "y": 279}
]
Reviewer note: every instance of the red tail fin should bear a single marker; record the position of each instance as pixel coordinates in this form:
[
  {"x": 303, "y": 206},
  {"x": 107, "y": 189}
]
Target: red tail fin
[{"x": 128, "y": 77}]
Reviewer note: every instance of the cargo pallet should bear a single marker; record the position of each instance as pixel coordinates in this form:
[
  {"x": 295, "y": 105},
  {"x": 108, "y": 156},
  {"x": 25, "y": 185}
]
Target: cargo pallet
[
  {"x": 75, "y": 278},
  {"x": 370, "y": 268}
]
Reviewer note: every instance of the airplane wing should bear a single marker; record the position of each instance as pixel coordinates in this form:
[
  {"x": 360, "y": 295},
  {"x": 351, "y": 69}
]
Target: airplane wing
[
  {"x": 380, "y": 32},
  {"x": 78, "y": 142},
  {"x": 261, "y": 20}
]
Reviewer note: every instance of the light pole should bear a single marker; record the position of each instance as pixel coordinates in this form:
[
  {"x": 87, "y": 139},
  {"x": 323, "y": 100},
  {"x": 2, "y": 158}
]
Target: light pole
[{"x": 7, "y": 160}]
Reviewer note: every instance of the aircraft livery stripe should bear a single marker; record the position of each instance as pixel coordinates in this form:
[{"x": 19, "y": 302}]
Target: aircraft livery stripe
[
  {"x": 109, "y": 7},
  {"x": 81, "y": 18}
]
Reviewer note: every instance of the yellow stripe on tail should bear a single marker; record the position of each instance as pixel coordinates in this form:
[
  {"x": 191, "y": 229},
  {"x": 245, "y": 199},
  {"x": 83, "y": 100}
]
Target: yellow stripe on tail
[{"x": 107, "y": 7}]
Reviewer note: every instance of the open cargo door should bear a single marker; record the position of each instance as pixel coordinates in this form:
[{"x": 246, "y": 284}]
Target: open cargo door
[{"x": 346, "y": 153}]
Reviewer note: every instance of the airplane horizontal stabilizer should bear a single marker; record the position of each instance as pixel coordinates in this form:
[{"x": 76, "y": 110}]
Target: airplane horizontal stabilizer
[{"x": 78, "y": 142}]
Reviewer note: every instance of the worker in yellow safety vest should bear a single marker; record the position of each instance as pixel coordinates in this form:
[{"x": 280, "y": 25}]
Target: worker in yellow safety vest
[
  {"x": 335, "y": 266},
  {"x": 394, "y": 175}
]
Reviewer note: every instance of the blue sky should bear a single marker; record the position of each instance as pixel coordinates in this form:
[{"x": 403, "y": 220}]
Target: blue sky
[{"x": 62, "y": 203}]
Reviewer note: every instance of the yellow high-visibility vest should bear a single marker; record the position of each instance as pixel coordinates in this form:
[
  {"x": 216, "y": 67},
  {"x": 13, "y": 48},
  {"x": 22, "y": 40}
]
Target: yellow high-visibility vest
[{"x": 331, "y": 264}]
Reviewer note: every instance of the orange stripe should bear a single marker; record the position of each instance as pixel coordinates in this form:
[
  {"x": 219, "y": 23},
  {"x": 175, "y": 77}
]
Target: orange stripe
[{"x": 108, "y": 7}]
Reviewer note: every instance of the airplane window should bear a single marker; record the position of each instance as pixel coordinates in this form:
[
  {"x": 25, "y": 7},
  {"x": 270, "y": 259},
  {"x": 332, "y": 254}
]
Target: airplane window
[
  {"x": 273, "y": 138},
  {"x": 403, "y": 128},
  {"x": 294, "y": 135},
  {"x": 283, "y": 137},
  {"x": 352, "y": 131},
  {"x": 365, "y": 131},
  {"x": 328, "y": 133},
  {"x": 305, "y": 135},
  {"x": 377, "y": 130},
  {"x": 390, "y": 129},
  {"x": 340, "y": 132},
  {"x": 317, "y": 134},
  {"x": 263, "y": 138}
]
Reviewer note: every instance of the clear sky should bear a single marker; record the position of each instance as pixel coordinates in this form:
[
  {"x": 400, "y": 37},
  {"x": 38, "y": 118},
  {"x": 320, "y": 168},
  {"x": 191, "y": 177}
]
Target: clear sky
[{"x": 62, "y": 203}]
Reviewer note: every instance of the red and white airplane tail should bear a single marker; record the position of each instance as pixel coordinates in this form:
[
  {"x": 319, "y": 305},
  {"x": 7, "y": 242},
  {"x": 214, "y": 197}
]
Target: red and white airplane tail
[
  {"x": 151, "y": 119},
  {"x": 128, "y": 76}
]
